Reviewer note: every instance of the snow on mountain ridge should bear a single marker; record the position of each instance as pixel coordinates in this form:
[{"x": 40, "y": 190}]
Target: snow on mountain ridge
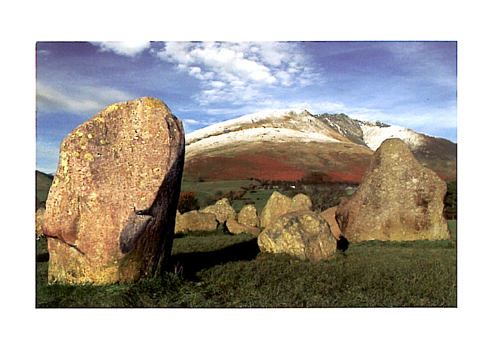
[
  {"x": 374, "y": 135},
  {"x": 301, "y": 124},
  {"x": 255, "y": 134},
  {"x": 295, "y": 119}
]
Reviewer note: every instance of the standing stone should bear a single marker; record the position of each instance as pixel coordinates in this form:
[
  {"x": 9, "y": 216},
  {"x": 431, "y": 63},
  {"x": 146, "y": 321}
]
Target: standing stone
[
  {"x": 276, "y": 206},
  {"x": 304, "y": 234},
  {"x": 110, "y": 213},
  {"x": 248, "y": 216},
  {"x": 397, "y": 200},
  {"x": 222, "y": 210}
]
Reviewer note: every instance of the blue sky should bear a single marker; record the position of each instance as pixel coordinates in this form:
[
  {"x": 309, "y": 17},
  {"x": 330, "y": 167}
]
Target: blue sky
[{"x": 410, "y": 83}]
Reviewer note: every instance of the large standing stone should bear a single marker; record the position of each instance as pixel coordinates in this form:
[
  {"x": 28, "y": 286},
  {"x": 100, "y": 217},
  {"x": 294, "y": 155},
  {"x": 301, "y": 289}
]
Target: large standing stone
[
  {"x": 397, "y": 200},
  {"x": 222, "y": 210},
  {"x": 248, "y": 216},
  {"x": 195, "y": 221},
  {"x": 110, "y": 213},
  {"x": 276, "y": 206},
  {"x": 304, "y": 234}
]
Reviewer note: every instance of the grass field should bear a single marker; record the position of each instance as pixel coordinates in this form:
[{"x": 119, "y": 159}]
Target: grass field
[
  {"x": 204, "y": 190},
  {"x": 215, "y": 269}
]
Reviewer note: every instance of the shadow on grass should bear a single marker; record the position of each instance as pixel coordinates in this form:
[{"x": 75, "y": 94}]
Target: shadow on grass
[{"x": 188, "y": 264}]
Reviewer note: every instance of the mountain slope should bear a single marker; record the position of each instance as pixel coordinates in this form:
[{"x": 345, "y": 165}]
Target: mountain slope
[{"x": 289, "y": 144}]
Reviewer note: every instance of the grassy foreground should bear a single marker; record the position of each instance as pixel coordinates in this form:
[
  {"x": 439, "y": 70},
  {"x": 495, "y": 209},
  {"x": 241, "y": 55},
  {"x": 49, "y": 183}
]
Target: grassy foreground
[{"x": 214, "y": 270}]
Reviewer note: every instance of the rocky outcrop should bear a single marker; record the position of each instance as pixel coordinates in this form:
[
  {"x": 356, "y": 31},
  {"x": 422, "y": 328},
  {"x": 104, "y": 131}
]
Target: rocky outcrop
[
  {"x": 195, "y": 221},
  {"x": 304, "y": 234},
  {"x": 111, "y": 208},
  {"x": 397, "y": 200},
  {"x": 234, "y": 227},
  {"x": 248, "y": 216},
  {"x": 222, "y": 210}
]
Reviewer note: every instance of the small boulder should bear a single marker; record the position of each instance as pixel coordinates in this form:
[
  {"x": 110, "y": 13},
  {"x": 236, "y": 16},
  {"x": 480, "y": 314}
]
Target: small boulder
[
  {"x": 329, "y": 216},
  {"x": 300, "y": 202},
  {"x": 234, "y": 227},
  {"x": 398, "y": 200},
  {"x": 304, "y": 234},
  {"x": 195, "y": 221},
  {"x": 276, "y": 206},
  {"x": 248, "y": 216},
  {"x": 222, "y": 210}
]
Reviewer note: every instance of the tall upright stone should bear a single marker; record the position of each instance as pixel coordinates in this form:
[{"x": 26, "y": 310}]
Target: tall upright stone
[
  {"x": 110, "y": 213},
  {"x": 398, "y": 200}
]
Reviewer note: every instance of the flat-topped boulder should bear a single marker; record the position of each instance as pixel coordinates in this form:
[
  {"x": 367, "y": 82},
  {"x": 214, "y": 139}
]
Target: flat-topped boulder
[
  {"x": 234, "y": 227},
  {"x": 110, "y": 213},
  {"x": 398, "y": 200},
  {"x": 195, "y": 221}
]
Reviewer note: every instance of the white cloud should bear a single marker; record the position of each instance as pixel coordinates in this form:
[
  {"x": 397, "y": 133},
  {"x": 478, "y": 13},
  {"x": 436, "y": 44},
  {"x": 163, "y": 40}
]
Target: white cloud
[
  {"x": 82, "y": 100},
  {"x": 124, "y": 48},
  {"x": 190, "y": 121},
  {"x": 239, "y": 71}
]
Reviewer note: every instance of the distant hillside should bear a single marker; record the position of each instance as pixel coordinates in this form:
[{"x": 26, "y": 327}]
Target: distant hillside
[
  {"x": 289, "y": 144},
  {"x": 43, "y": 183}
]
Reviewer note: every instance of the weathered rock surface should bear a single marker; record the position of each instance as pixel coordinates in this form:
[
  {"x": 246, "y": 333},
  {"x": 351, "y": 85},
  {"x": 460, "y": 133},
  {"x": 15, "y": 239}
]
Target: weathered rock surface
[
  {"x": 300, "y": 202},
  {"x": 248, "y": 216},
  {"x": 112, "y": 205},
  {"x": 304, "y": 234},
  {"x": 276, "y": 206},
  {"x": 329, "y": 216},
  {"x": 234, "y": 227},
  {"x": 279, "y": 204},
  {"x": 195, "y": 221},
  {"x": 397, "y": 200},
  {"x": 222, "y": 210}
]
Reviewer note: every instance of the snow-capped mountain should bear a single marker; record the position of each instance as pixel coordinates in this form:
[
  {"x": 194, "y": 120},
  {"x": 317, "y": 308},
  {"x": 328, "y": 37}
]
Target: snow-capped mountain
[{"x": 288, "y": 144}]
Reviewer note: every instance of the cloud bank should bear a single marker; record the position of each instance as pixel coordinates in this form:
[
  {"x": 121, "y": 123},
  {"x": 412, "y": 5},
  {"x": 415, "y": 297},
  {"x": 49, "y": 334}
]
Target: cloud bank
[
  {"x": 240, "y": 72},
  {"x": 124, "y": 48}
]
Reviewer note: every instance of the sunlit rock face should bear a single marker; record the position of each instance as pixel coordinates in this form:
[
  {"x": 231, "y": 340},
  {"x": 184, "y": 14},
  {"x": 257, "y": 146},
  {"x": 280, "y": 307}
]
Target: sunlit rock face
[
  {"x": 111, "y": 209},
  {"x": 398, "y": 200}
]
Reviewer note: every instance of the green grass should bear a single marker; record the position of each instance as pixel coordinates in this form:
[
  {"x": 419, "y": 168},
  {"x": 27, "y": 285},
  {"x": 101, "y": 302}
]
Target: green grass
[
  {"x": 257, "y": 198},
  {"x": 215, "y": 269},
  {"x": 206, "y": 189}
]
